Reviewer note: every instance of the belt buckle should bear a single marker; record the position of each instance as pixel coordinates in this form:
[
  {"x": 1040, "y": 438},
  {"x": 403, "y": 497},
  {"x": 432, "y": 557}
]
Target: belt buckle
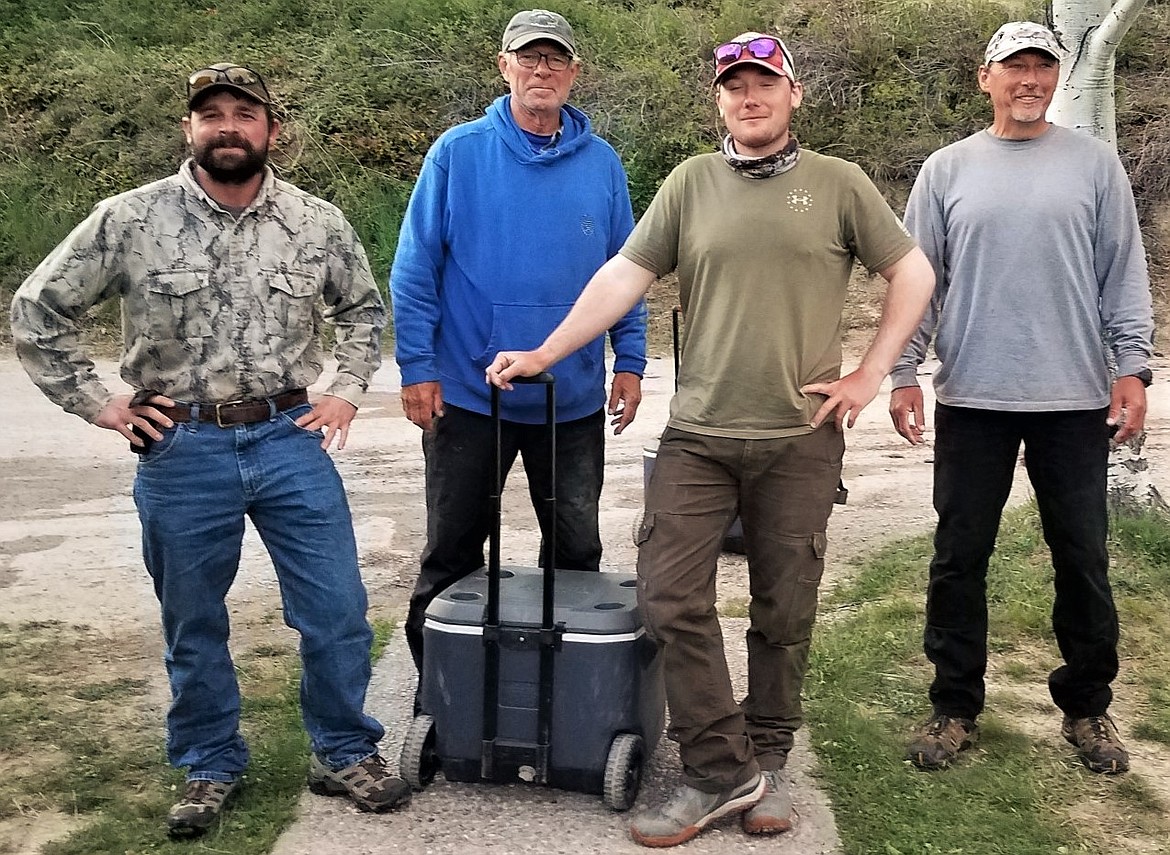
[{"x": 219, "y": 412}]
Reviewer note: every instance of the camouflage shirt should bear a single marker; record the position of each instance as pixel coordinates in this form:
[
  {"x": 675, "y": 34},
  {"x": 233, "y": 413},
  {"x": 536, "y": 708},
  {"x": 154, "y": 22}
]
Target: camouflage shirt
[{"x": 215, "y": 308}]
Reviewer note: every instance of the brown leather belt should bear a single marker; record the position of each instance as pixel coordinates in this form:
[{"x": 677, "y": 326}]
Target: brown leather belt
[{"x": 239, "y": 412}]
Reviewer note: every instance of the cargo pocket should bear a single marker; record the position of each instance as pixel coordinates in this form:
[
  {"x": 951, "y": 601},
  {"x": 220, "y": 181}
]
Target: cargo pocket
[
  {"x": 644, "y": 529},
  {"x": 642, "y": 534},
  {"x": 805, "y": 559}
]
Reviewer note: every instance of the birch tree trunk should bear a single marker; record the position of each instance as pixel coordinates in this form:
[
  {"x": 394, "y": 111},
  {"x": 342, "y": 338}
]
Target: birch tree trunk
[{"x": 1090, "y": 31}]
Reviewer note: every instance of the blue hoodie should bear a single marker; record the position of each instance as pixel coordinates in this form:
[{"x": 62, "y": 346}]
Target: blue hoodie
[{"x": 497, "y": 243}]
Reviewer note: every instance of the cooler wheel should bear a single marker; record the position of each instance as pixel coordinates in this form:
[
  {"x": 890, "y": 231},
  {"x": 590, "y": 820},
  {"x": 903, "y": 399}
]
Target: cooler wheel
[
  {"x": 419, "y": 761},
  {"x": 623, "y": 771}
]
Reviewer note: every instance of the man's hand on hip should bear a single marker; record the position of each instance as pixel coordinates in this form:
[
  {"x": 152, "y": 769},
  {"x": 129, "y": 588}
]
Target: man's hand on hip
[
  {"x": 119, "y": 416},
  {"x": 846, "y": 398},
  {"x": 331, "y": 414}
]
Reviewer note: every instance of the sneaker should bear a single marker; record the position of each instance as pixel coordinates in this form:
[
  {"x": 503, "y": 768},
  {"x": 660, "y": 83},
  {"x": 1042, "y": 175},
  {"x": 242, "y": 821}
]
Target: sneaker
[
  {"x": 199, "y": 807},
  {"x": 1097, "y": 742},
  {"x": 689, "y": 811},
  {"x": 773, "y": 813},
  {"x": 367, "y": 783},
  {"x": 941, "y": 740}
]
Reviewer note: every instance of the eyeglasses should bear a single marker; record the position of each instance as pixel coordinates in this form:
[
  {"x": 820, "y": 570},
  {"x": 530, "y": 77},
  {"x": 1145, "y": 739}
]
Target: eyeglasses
[
  {"x": 531, "y": 59},
  {"x": 761, "y": 47},
  {"x": 237, "y": 75}
]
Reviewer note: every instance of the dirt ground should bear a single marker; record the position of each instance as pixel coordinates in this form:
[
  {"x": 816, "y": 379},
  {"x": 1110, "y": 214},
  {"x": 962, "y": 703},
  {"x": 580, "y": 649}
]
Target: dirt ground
[{"x": 69, "y": 541}]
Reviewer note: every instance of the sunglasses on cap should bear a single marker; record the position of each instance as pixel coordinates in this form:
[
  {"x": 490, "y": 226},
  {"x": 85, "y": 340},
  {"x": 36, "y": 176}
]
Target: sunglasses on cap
[
  {"x": 237, "y": 76},
  {"x": 761, "y": 47}
]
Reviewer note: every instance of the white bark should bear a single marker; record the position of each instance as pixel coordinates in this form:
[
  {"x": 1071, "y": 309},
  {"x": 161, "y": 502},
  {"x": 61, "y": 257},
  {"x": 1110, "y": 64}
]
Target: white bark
[{"x": 1090, "y": 30}]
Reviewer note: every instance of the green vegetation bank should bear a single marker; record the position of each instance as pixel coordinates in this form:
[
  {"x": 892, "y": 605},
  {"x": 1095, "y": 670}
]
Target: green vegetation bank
[{"x": 91, "y": 93}]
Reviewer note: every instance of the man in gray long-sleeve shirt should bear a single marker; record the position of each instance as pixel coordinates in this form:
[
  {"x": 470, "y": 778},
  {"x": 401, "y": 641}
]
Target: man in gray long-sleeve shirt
[
  {"x": 1034, "y": 238},
  {"x": 225, "y": 275}
]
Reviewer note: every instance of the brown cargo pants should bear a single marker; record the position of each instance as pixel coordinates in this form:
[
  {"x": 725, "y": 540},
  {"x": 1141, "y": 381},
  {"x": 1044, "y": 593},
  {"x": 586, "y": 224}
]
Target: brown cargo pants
[{"x": 783, "y": 490}]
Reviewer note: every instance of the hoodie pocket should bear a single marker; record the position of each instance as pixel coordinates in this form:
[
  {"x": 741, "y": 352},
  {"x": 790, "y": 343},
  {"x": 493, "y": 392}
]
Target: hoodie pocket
[{"x": 517, "y": 326}]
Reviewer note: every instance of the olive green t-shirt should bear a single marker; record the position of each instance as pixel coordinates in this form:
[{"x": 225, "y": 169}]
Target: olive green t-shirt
[{"x": 763, "y": 268}]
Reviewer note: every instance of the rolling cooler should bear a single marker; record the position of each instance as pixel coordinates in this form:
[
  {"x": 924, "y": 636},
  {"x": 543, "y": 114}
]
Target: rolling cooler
[{"x": 537, "y": 676}]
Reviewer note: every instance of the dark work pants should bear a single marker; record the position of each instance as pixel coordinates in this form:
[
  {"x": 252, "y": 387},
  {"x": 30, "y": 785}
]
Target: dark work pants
[
  {"x": 1066, "y": 456},
  {"x": 783, "y": 489},
  {"x": 460, "y": 479}
]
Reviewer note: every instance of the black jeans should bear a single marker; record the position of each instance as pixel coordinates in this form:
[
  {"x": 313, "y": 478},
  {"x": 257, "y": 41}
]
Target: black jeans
[
  {"x": 1066, "y": 456},
  {"x": 460, "y": 476}
]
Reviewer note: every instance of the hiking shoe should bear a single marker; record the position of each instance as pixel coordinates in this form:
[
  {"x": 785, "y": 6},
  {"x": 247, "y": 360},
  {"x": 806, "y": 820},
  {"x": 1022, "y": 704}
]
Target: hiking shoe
[
  {"x": 940, "y": 741},
  {"x": 689, "y": 811},
  {"x": 367, "y": 783},
  {"x": 1097, "y": 742},
  {"x": 773, "y": 813},
  {"x": 199, "y": 807}
]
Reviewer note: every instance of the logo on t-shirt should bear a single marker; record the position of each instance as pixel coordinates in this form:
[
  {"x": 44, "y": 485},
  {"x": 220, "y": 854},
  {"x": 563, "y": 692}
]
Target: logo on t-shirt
[
  {"x": 587, "y": 225},
  {"x": 800, "y": 200}
]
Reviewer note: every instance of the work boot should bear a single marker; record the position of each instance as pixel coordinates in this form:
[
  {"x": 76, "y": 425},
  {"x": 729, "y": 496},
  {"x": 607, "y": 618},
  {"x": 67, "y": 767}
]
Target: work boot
[
  {"x": 773, "y": 813},
  {"x": 940, "y": 741},
  {"x": 201, "y": 804},
  {"x": 366, "y": 783},
  {"x": 1098, "y": 744},
  {"x": 689, "y": 811}
]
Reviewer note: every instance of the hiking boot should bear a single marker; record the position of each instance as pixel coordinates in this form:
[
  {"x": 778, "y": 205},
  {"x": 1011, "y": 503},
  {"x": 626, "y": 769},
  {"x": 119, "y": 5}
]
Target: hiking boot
[
  {"x": 199, "y": 807},
  {"x": 1097, "y": 742},
  {"x": 366, "y": 783},
  {"x": 940, "y": 741},
  {"x": 773, "y": 813},
  {"x": 689, "y": 811}
]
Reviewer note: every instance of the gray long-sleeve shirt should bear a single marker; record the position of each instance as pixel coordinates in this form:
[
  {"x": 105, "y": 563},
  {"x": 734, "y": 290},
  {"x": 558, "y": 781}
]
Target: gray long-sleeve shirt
[
  {"x": 1037, "y": 255},
  {"x": 215, "y": 307}
]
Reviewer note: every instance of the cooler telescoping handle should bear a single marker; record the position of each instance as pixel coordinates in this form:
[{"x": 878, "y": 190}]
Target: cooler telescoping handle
[
  {"x": 493, "y": 600},
  {"x": 536, "y": 754}
]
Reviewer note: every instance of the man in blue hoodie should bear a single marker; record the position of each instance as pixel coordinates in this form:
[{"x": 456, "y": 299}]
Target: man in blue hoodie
[{"x": 511, "y": 216}]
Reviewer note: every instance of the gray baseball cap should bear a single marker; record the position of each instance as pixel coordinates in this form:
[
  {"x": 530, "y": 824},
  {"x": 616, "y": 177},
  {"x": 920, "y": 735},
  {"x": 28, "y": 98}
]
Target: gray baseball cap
[
  {"x": 1022, "y": 35},
  {"x": 537, "y": 24}
]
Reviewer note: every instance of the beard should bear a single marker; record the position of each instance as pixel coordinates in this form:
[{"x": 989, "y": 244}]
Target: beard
[{"x": 230, "y": 168}]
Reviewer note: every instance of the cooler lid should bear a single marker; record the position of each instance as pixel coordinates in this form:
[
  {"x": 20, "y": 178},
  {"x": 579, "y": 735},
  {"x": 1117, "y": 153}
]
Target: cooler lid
[{"x": 601, "y": 603}]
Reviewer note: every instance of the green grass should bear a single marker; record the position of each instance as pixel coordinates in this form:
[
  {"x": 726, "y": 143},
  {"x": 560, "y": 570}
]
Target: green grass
[
  {"x": 73, "y": 711},
  {"x": 90, "y": 748},
  {"x": 91, "y": 93},
  {"x": 1015, "y": 793}
]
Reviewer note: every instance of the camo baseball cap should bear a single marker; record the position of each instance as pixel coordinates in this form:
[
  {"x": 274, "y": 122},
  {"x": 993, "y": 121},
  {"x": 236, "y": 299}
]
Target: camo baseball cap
[
  {"x": 226, "y": 75},
  {"x": 1022, "y": 35},
  {"x": 537, "y": 24}
]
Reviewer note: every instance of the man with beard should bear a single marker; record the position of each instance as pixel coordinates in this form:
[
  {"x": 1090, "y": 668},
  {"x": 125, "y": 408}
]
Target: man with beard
[{"x": 225, "y": 275}]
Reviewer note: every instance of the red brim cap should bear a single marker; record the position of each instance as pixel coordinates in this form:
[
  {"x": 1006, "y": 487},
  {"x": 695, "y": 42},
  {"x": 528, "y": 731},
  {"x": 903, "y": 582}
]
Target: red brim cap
[{"x": 778, "y": 63}]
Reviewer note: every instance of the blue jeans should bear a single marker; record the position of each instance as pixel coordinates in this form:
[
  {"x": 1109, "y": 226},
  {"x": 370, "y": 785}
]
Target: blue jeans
[
  {"x": 1066, "y": 455},
  {"x": 460, "y": 455},
  {"x": 193, "y": 491}
]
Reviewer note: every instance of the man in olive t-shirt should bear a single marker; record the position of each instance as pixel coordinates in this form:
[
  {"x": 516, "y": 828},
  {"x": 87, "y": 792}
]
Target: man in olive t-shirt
[{"x": 763, "y": 236}]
